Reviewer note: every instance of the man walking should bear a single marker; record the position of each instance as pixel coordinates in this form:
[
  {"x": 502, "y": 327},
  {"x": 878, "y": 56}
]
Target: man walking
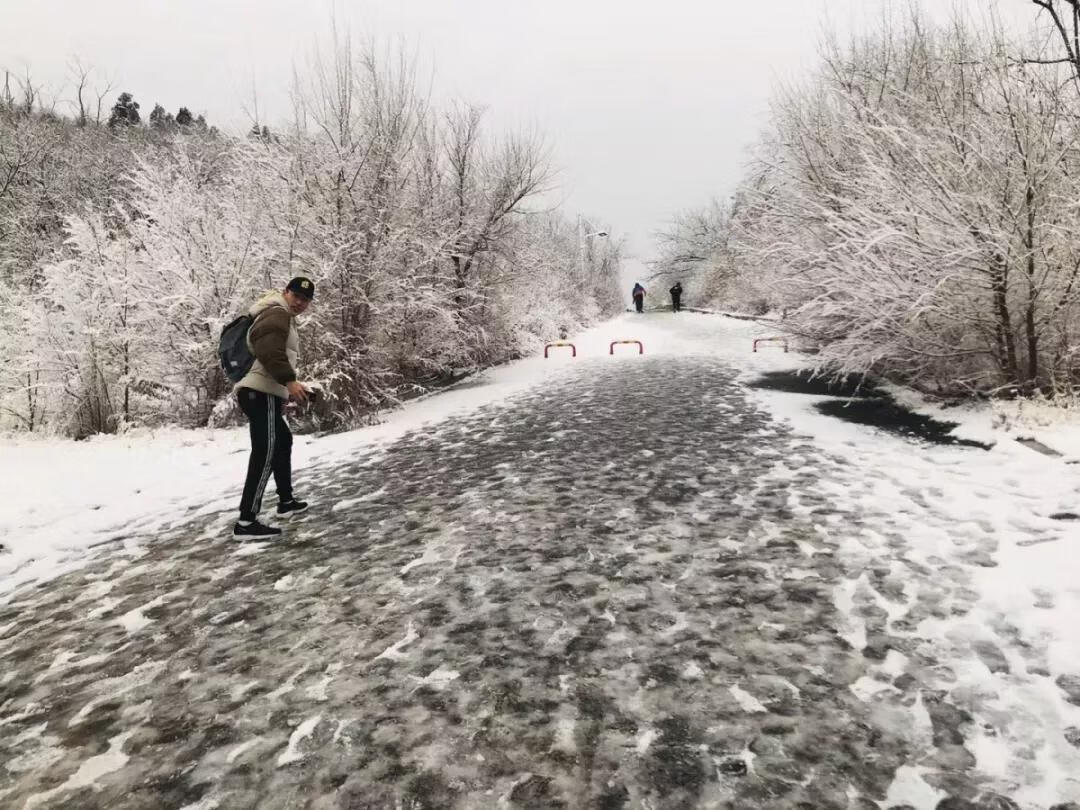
[
  {"x": 676, "y": 296},
  {"x": 638, "y": 294},
  {"x": 262, "y": 394}
]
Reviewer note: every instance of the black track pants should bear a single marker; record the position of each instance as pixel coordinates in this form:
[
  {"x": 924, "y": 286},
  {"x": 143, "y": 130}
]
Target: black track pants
[{"x": 271, "y": 450}]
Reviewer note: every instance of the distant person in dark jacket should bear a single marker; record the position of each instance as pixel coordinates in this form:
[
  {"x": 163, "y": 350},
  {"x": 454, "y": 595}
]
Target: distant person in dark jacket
[
  {"x": 638, "y": 295},
  {"x": 676, "y": 296}
]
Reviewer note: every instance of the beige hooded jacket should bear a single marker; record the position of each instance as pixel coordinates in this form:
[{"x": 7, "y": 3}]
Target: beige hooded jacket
[{"x": 275, "y": 343}]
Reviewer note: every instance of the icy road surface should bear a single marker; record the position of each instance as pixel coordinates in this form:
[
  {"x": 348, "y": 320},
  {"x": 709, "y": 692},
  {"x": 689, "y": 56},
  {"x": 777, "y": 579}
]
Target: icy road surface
[{"x": 630, "y": 587}]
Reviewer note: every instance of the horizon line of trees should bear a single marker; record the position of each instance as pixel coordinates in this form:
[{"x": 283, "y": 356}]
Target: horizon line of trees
[
  {"x": 29, "y": 98},
  {"x": 912, "y": 211},
  {"x": 124, "y": 248}
]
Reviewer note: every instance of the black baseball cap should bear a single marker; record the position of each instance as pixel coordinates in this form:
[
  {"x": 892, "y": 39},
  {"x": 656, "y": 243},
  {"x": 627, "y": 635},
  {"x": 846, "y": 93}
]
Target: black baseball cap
[{"x": 302, "y": 286}]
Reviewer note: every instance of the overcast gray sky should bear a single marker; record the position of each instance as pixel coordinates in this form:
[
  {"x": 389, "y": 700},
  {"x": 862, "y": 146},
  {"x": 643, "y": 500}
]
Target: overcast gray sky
[{"x": 649, "y": 105}]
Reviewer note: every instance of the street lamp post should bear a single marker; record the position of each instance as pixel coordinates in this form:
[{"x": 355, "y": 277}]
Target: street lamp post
[{"x": 581, "y": 245}]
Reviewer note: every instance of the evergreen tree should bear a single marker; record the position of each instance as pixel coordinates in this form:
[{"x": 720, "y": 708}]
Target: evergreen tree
[
  {"x": 158, "y": 117},
  {"x": 161, "y": 121},
  {"x": 125, "y": 111},
  {"x": 184, "y": 118}
]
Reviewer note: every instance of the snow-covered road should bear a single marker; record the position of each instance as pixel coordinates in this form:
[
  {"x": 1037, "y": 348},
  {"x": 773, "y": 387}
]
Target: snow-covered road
[{"x": 634, "y": 585}]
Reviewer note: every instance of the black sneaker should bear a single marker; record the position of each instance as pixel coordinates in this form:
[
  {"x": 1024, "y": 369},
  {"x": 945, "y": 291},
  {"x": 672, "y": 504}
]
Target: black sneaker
[
  {"x": 254, "y": 531},
  {"x": 293, "y": 507}
]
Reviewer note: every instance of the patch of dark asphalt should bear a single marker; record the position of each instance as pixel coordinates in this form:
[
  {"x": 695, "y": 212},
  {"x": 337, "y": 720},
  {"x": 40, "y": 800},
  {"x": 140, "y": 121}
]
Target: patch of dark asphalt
[
  {"x": 1038, "y": 447},
  {"x": 885, "y": 413},
  {"x": 802, "y": 381},
  {"x": 862, "y": 402}
]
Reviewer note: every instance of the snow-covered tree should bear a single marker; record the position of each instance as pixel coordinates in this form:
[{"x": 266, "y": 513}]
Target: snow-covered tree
[
  {"x": 910, "y": 210},
  {"x": 414, "y": 224},
  {"x": 125, "y": 111},
  {"x": 695, "y": 250}
]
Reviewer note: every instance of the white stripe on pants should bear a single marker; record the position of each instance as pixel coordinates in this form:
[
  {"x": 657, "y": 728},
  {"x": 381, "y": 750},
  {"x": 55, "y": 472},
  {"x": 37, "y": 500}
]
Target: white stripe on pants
[{"x": 271, "y": 437}]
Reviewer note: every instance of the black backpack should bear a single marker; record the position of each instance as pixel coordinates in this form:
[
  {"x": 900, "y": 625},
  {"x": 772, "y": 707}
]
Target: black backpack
[{"x": 236, "y": 358}]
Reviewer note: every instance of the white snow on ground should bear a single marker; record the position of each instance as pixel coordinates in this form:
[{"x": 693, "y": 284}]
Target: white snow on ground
[
  {"x": 1054, "y": 425},
  {"x": 241, "y": 749},
  {"x": 438, "y": 679},
  {"x": 645, "y": 738},
  {"x": 208, "y": 803},
  {"x": 394, "y": 651},
  {"x": 62, "y": 497},
  {"x": 910, "y": 788},
  {"x": 748, "y": 702},
  {"x": 303, "y": 731},
  {"x": 89, "y": 772},
  {"x": 1009, "y": 494}
]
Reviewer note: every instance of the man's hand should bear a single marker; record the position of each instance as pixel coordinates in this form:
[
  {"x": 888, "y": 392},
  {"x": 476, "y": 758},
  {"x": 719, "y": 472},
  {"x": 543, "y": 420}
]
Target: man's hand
[{"x": 297, "y": 391}]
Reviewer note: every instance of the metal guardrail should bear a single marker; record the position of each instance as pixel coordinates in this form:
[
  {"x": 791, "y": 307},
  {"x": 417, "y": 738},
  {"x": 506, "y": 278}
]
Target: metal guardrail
[
  {"x": 640, "y": 345},
  {"x": 547, "y": 346}
]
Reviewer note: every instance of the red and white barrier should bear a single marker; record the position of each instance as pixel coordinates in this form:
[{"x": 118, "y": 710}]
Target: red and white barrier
[
  {"x": 641, "y": 347},
  {"x": 573, "y": 348}
]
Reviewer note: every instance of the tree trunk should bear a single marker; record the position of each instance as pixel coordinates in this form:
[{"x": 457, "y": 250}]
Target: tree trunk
[
  {"x": 29, "y": 402},
  {"x": 1032, "y": 302},
  {"x": 999, "y": 274},
  {"x": 127, "y": 384}
]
